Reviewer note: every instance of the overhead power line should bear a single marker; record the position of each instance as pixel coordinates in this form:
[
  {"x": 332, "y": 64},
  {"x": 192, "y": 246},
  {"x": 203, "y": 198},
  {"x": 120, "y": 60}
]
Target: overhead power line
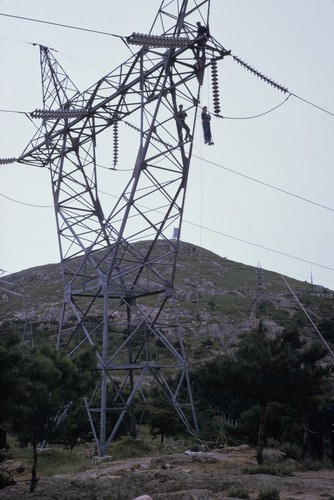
[
  {"x": 13, "y": 111},
  {"x": 266, "y": 184},
  {"x": 258, "y": 245},
  {"x": 61, "y": 25},
  {"x": 254, "y": 116},
  {"x": 277, "y": 85},
  {"x": 312, "y": 104},
  {"x": 256, "y": 72},
  {"x": 245, "y": 176},
  {"x": 23, "y": 203},
  {"x": 308, "y": 316},
  {"x": 212, "y": 231},
  {"x": 282, "y": 144}
]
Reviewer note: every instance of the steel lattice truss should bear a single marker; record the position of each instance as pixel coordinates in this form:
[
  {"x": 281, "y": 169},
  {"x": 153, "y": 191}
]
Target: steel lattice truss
[{"x": 115, "y": 228}]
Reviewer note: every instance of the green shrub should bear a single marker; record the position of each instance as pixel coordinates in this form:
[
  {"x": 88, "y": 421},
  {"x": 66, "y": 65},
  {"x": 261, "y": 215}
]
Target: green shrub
[
  {"x": 129, "y": 448},
  {"x": 292, "y": 450},
  {"x": 310, "y": 464},
  {"x": 274, "y": 469},
  {"x": 237, "y": 492},
  {"x": 268, "y": 493},
  {"x": 213, "y": 430}
]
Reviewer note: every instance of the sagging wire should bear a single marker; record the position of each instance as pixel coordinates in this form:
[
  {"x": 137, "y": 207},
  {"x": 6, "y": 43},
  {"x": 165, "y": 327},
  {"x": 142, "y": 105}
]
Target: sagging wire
[
  {"x": 277, "y": 85},
  {"x": 215, "y": 90},
  {"x": 254, "y": 116},
  {"x": 24, "y": 203}
]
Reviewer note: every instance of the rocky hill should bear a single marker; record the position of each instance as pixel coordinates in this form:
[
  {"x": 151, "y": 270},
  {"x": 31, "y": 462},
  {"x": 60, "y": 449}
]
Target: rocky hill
[{"x": 217, "y": 299}]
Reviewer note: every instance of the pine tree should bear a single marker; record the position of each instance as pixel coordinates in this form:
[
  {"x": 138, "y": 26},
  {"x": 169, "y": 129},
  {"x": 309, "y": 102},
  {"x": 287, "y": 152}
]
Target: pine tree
[{"x": 264, "y": 370}]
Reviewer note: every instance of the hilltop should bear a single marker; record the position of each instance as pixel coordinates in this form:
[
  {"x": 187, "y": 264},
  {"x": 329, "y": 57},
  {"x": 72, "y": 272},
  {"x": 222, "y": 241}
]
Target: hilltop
[{"x": 217, "y": 299}]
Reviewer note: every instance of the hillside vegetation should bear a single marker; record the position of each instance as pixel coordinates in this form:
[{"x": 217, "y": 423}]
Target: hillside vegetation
[{"x": 218, "y": 299}]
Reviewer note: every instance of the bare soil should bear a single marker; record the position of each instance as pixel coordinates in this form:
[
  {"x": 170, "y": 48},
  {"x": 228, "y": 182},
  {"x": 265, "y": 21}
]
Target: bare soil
[{"x": 180, "y": 476}]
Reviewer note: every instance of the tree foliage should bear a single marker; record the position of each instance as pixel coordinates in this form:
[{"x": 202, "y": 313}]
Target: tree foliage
[
  {"x": 163, "y": 420},
  {"x": 35, "y": 384},
  {"x": 264, "y": 370}
]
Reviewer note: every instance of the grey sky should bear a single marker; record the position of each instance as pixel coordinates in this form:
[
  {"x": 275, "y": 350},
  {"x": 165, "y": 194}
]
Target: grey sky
[{"x": 291, "y": 148}]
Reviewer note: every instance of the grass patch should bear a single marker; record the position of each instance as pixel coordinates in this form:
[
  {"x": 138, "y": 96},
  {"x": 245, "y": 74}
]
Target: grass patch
[
  {"x": 268, "y": 493},
  {"x": 237, "y": 492},
  {"x": 144, "y": 445},
  {"x": 129, "y": 448},
  {"x": 54, "y": 459},
  {"x": 273, "y": 469},
  {"x": 310, "y": 464},
  {"x": 57, "y": 460}
]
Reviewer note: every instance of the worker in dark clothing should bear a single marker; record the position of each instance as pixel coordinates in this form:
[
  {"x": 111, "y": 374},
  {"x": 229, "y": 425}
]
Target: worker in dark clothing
[
  {"x": 202, "y": 32},
  {"x": 206, "y": 118},
  {"x": 202, "y": 37},
  {"x": 181, "y": 116},
  {"x": 330, "y": 424}
]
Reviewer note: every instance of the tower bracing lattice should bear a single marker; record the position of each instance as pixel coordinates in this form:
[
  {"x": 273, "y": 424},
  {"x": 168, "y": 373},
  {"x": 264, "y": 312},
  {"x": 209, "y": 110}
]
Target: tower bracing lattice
[{"x": 119, "y": 161}]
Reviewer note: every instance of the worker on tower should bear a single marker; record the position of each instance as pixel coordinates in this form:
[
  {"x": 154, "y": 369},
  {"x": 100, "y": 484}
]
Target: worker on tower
[
  {"x": 206, "y": 118},
  {"x": 181, "y": 116},
  {"x": 202, "y": 31},
  {"x": 203, "y": 35}
]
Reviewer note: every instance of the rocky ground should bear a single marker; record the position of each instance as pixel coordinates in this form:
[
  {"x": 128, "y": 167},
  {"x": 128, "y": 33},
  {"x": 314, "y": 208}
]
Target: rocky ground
[{"x": 181, "y": 476}]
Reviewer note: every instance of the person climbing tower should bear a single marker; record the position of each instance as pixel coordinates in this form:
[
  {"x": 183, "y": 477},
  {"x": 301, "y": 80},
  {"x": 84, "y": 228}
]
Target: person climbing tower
[
  {"x": 206, "y": 118},
  {"x": 202, "y": 37},
  {"x": 181, "y": 116},
  {"x": 202, "y": 31}
]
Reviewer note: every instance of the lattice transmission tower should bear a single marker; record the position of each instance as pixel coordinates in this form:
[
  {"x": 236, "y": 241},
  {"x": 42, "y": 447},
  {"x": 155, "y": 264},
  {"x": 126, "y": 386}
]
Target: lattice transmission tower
[{"x": 118, "y": 258}]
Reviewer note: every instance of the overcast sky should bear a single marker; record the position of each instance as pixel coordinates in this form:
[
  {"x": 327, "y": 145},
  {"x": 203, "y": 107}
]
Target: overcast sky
[{"x": 262, "y": 194}]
